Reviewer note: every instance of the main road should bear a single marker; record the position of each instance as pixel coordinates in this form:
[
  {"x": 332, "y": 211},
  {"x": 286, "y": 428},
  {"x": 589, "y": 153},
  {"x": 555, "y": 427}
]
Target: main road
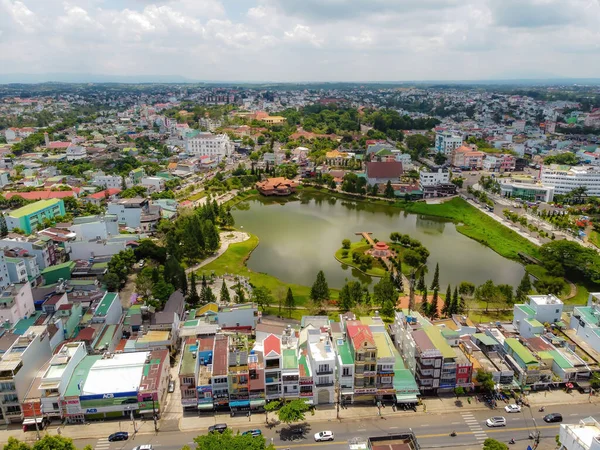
[{"x": 432, "y": 430}]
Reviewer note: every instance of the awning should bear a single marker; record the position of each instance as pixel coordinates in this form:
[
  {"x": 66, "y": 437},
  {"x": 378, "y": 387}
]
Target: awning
[
  {"x": 205, "y": 406},
  {"x": 406, "y": 398},
  {"x": 257, "y": 403},
  {"x": 146, "y": 411},
  {"x": 239, "y": 403}
]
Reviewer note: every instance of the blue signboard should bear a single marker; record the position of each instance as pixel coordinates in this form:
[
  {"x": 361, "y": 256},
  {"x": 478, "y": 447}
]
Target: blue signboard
[{"x": 107, "y": 396}]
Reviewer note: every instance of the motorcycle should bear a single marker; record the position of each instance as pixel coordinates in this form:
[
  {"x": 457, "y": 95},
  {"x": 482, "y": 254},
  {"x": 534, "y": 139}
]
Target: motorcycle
[
  {"x": 512, "y": 441},
  {"x": 542, "y": 409},
  {"x": 453, "y": 434}
]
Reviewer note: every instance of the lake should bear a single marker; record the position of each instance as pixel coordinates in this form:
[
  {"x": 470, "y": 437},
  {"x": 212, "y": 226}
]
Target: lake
[{"x": 300, "y": 237}]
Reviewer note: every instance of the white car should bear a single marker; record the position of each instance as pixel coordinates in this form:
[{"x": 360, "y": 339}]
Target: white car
[
  {"x": 496, "y": 422},
  {"x": 324, "y": 436},
  {"x": 512, "y": 408}
]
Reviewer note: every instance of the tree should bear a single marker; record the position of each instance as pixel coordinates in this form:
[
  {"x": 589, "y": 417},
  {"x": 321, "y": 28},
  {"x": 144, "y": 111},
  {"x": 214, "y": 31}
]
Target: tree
[
  {"x": 319, "y": 291},
  {"x": 292, "y": 411},
  {"x": 193, "y": 297},
  {"x": 3, "y": 226},
  {"x": 48, "y": 442},
  {"x": 466, "y": 288},
  {"x": 388, "y": 309},
  {"x": 488, "y": 292},
  {"x": 550, "y": 285},
  {"x": 384, "y": 291},
  {"x": 346, "y": 244},
  {"x": 224, "y": 295},
  {"x": 493, "y": 444},
  {"x": 456, "y": 307},
  {"x": 290, "y": 301},
  {"x": 435, "y": 283},
  {"x": 206, "y": 295},
  {"x": 374, "y": 190},
  {"x": 425, "y": 304},
  {"x": 523, "y": 289},
  {"x": 433, "y": 308},
  {"x": 271, "y": 406},
  {"x": 458, "y": 391},
  {"x": 595, "y": 380},
  {"x": 447, "y": 308},
  {"x": 261, "y": 295},
  {"x": 418, "y": 145},
  {"x": 228, "y": 440},
  {"x": 507, "y": 292},
  {"x": 144, "y": 283},
  {"x": 112, "y": 281},
  {"x": 485, "y": 380},
  {"x": 162, "y": 291},
  {"x": 421, "y": 286},
  {"x": 14, "y": 444},
  {"x": 389, "y": 190}
]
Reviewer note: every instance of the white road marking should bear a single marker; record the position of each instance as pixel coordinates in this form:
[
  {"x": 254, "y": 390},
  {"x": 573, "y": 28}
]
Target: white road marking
[
  {"x": 393, "y": 428},
  {"x": 360, "y": 429},
  {"x": 426, "y": 425}
]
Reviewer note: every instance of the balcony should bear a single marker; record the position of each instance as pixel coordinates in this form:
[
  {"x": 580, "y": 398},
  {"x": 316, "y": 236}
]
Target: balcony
[
  {"x": 325, "y": 371},
  {"x": 270, "y": 380},
  {"x": 306, "y": 393},
  {"x": 324, "y": 384}
]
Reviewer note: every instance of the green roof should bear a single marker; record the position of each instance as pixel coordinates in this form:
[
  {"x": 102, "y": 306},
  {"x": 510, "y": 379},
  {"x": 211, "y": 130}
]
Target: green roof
[
  {"x": 102, "y": 265},
  {"x": 535, "y": 323},
  {"x": 188, "y": 363},
  {"x": 485, "y": 339},
  {"x": 32, "y": 208},
  {"x": 80, "y": 374},
  {"x": 448, "y": 333},
  {"x": 290, "y": 361},
  {"x": 345, "y": 353},
  {"x": 107, "y": 337},
  {"x": 22, "y": 325},
  {"x": 440, "y": 343},
  {"x": 383, "y": 350},
  {"x": 519, "y": 349},
  {"x": 404, "y": 381},
  {"x": 68, "y": 264},
  {"x": 302, "y": 362},
  {"x": 108, "y": 300},
  {"x": 560, "y": 360},
  {"x": 526, "y": 309}
]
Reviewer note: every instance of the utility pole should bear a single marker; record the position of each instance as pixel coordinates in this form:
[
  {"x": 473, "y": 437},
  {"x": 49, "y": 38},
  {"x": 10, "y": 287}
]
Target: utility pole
[
  {"x": 37, "y": 429},
  {"x": 338, "y": 391},
  {"x": 154, "y": 415}
]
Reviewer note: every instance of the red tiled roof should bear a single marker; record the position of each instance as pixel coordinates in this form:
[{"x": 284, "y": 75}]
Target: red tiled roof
[
  {"x": 391, "y": 169},
  {"x": 40, "y": 195},
  {"x": 359, "y": 334},
  {"x": 86, "y": 334},
  {"x": 272, "y": 344},
  {"x": 102, "y": 194},
  {"x": 58, "y": 144},
  {"x": 65, "y": 307}
]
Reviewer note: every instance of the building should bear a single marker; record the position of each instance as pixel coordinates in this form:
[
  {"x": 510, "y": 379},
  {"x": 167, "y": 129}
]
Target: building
[
  {"x": 43, "y": 248},
  {"x": 272, "y": 355},
  {"x": 135, "y": 213},
  {"x": 19, "y": 366},
  {"x": 108, "y": 310},
  {"x": 188, "y": 373},
  {"x": 468, "y": 157},
  {"x": 219, "y": 380},
  {"x": 322, "y": 360},
  {"x": 153, "y": 184},
  {"x": 499, "y": 163},
  {"x": 29, "y": 217},
  {"x": 584, "y": 435},
  {"x": 529, "y": 318},
  {"x": 527, "y": 192},
  {"x": 446, "y": 142},
  {"x": 436, "y": 183},
  {"x": 336, "y": 158},
  {"x": 585, "y": 321},
  {"x": 382, "y": 172},
  {"x": 565, "y": 178},
  {"x": 17, "y": 271},
  {"x": 102, "y": 180},
  {"x": 526, "y": 366},
  {"x": 241, "y": 316},
  {"x": 16, "y": 303},
  {"x": 277, "y": 186},
  {"x": 76, "y": 152},
  {"x": 217, "y": 146},
  {"x": 364, "y": 351}
]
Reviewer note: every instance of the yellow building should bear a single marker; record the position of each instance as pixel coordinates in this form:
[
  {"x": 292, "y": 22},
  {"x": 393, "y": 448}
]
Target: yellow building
[{"x": 273, "y": 120}]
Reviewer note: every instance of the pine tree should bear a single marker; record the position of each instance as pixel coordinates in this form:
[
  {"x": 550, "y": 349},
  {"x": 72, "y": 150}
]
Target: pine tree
[
  {"x": 411, "y": 293},
  {"x": 193, "y": 298},
  {"x": 425, "y": 304},
  {"x": 204, "y": 282},
  {"x": 389, "y": 190},
  {"x": 224, "y": 296},
  {"x": 462, "y": 305},
  {"x": 435, "y": 283},
  {"x": 290, "y": 302},
  {"x": 206, "y": 295},
  {"x": 3, "y": 226},
  {"x": 319, "y": 290},
  {"x": 455, "y": 302},
  {"x": 447, "y": 308},
  {"x": 523, "y": 289},
  {"x": 421, "y": 286},
  {"x": 433, "y": 308}
]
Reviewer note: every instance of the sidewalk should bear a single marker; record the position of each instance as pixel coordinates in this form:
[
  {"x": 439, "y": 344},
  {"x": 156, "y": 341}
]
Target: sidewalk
[{"x": 326, "y": 413}]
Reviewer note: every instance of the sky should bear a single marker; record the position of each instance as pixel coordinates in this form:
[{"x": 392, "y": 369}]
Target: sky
[{"x": 303, "y": 40}]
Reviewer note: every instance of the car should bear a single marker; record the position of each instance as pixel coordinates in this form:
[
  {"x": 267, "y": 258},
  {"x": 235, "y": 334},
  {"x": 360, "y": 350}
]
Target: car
[
  {"x": 512, "y": 408},
  {"x": 324, "y": 436},
  {"x": 142, "y": 263},
  {"x": 496, "y": 422},
  {"x": 118, "y": 436},
  {"x": 254, "y": 433},
  {"x": 553, "y": 417},
  {"x": 143, "y": 447},
  {"x": 218, "y": 428},
  {"x": 171, "y": 386}
]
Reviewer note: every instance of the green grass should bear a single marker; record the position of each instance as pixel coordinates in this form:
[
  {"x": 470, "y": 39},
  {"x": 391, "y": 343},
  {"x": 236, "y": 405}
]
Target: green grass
[
  {"x": 594, "y": 238},
  {"x": 360, "y": 247},
  {"x": 234, "y": 261},
  {"x": 197, "y": 196}
]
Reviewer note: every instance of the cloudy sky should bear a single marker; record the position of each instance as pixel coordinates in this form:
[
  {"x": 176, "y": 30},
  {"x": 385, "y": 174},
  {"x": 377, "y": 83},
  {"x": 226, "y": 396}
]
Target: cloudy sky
[{"x": 303, "y": 40}]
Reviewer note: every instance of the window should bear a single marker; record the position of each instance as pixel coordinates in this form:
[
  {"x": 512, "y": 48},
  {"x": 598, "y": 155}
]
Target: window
[
  {"x": 346, "y": 372},
  {"x": 188, "y": 380},
  {"x": 323, "y": 380}
]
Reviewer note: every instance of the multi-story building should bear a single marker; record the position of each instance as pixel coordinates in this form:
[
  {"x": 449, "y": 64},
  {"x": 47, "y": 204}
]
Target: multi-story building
[
  {"x": 217, "y": 146},
  {"x": 526, "y": 191},
  {"x": 467, "y": 157},
  {"x": 135, "y": 213},
  {"x": 306, "y": 379},
  {"x": 564, "y": 179},
  {"x": 446, "y": 142},
  {"x": 526, "y": 366},
  {"x": 584, "y": 435},
  {"x": 499, "y": 163},
  {"x": 322, "y": 360},
  {"x": 4, "y": 274},
  {"x": 256, "y": 386},
  {"x": 19, "y": 366},
  {"x": 585, "y": 321},
  {"x": 529, "y": 318},
  {"x": 45, "y": 252},
  {"x": 238, "y": 374},
  {"x": 219, "y": 381},
  {"x": 188, "y": 373},
  {"x": 345, "y": 370},
  {"x": 436, "y": 183},
  {"x": 16, "y": 303},
  {"x": 29, "y": 217},
  {"x": 365, "y": 361},
  {"x": 102, "y": 180},
  {"x": 272, "y": 355},
  {"x": 17, "y": 271}
]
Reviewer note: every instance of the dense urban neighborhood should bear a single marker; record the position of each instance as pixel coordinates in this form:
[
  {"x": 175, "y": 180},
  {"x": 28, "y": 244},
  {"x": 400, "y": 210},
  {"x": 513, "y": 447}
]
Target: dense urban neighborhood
[{"x": 177, "y": 256}]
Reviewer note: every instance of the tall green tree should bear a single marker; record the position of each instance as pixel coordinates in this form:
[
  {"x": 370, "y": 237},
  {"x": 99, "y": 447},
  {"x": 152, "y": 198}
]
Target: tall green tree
[
  {"x": 3, "y": 226},
  {"x": 421, "y": 286},
  {"x": 389, "y": 190},
  {"x": 293, "y": 411},
  {"x": 193, "y": 297},
  {"x": 206, "y": 295},
  {"x": 319, "y": 292},
  {"x": 488, "y": 292},
  {"x": 523, "y": 289},
  {"x": 290, "y": 301},
  {"x": 433, "y": 308},
  {"x": 262, "y": 296},
  {"x": 211, "y": 236},
  {"x": 435, "y": 283},
  {"x": 224, "y": 295},
  {"x": 384, "y": 291},
  {"x": 447, "y": 308},
  {"x": 228, "y": 440},
  {"x": 425, "y": 304}
]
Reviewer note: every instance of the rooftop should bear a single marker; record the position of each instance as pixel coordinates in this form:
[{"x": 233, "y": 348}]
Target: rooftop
[
  {"x": 520, "y": 350},
  {"x": 345, "y": 354},
  {"x": 105, "y": 304},
  {"x": 34, "y": 207},
  {"x": 544, "y": 300},
  {"x": 290, "y": 361},
  {"x": 188, "y": 362},
  {"x": 438, "y": 340}
]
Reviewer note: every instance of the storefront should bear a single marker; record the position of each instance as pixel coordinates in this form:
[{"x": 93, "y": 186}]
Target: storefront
[
  {"x": 239, "y": 406},
  {"x": 365, "y": 395},
  {"x": 257, "y": 405}
]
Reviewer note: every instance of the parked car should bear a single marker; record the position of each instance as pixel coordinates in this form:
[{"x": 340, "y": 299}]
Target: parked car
[
  {"x": 324, "y": 436},
  {"x": 171, "y": 386},
  {"x": 118, "y": 436},
  {"x": 553, "y": 417},
  {"x": 496, "y": 422},
  {"x": 512, "y": 408},
  {"x": 143, "y": 447},
  {"x": 255, "y": 433},
  {"x": 218, "y": 428}
]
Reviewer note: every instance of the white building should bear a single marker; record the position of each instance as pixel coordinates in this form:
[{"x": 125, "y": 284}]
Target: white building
[
  {"x": 564, "y": 179},
  {"x": 433, "y": 178},
  {"x": 17, "y": 271},
  {"x": 217, "y": 146},
  {"x": 584, "y": 435},
  {"x": 153, "y": 184},
  {"x": 322, "y": 360},
  {"x": 16, "y": 303},
  {"x": 530, "y": 318},
  {"x": 76, "y": 152},
  {"x": 102, "y": 180},
  {"x": 585, "y": 320},
  {"x": 446, "y": 142}
]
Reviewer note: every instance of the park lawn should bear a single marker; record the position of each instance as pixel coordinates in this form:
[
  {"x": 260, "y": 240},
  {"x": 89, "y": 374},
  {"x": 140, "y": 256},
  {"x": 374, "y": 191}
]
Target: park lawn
[
  {"x": 594, "y": 238},
  {"x": 360, "y": 247},
  {"x": 197, "y": 196},
  {"x": 233, "y": 261},
  {"x": 583, "y": 288},
  {"x": 490, "y": 316},
  {"x": 478, "y": 226}
]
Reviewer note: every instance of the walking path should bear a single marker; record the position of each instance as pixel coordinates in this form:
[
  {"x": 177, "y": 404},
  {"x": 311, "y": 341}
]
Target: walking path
[{"x": 227, "y": 238}]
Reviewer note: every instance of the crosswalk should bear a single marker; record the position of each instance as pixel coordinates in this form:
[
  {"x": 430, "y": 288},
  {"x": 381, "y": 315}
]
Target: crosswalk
[
  {"x": 475, "y": 426},
  {"x": 102, "y": 444}
]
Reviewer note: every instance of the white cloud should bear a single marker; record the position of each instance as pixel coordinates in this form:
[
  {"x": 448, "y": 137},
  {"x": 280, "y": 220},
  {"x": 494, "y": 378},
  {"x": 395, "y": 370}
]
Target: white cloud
[{"x": 302, "y": 34}]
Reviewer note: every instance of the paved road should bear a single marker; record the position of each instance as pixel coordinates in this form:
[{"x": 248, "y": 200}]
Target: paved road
[{"x": 432, "y": 430}]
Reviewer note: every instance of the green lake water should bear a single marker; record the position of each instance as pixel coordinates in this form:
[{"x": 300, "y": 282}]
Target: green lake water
[{"x": 300, "y": 237}]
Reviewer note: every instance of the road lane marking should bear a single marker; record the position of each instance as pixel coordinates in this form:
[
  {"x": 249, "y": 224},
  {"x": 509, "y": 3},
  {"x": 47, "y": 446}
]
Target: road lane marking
[
  {"x": 575, "y": 414},
  {"x": 426, "y": 425},
  {"x": 456, "y": 423},
  {"x": 393, "y": 428},
  {"x": 362, "y": 429}
]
